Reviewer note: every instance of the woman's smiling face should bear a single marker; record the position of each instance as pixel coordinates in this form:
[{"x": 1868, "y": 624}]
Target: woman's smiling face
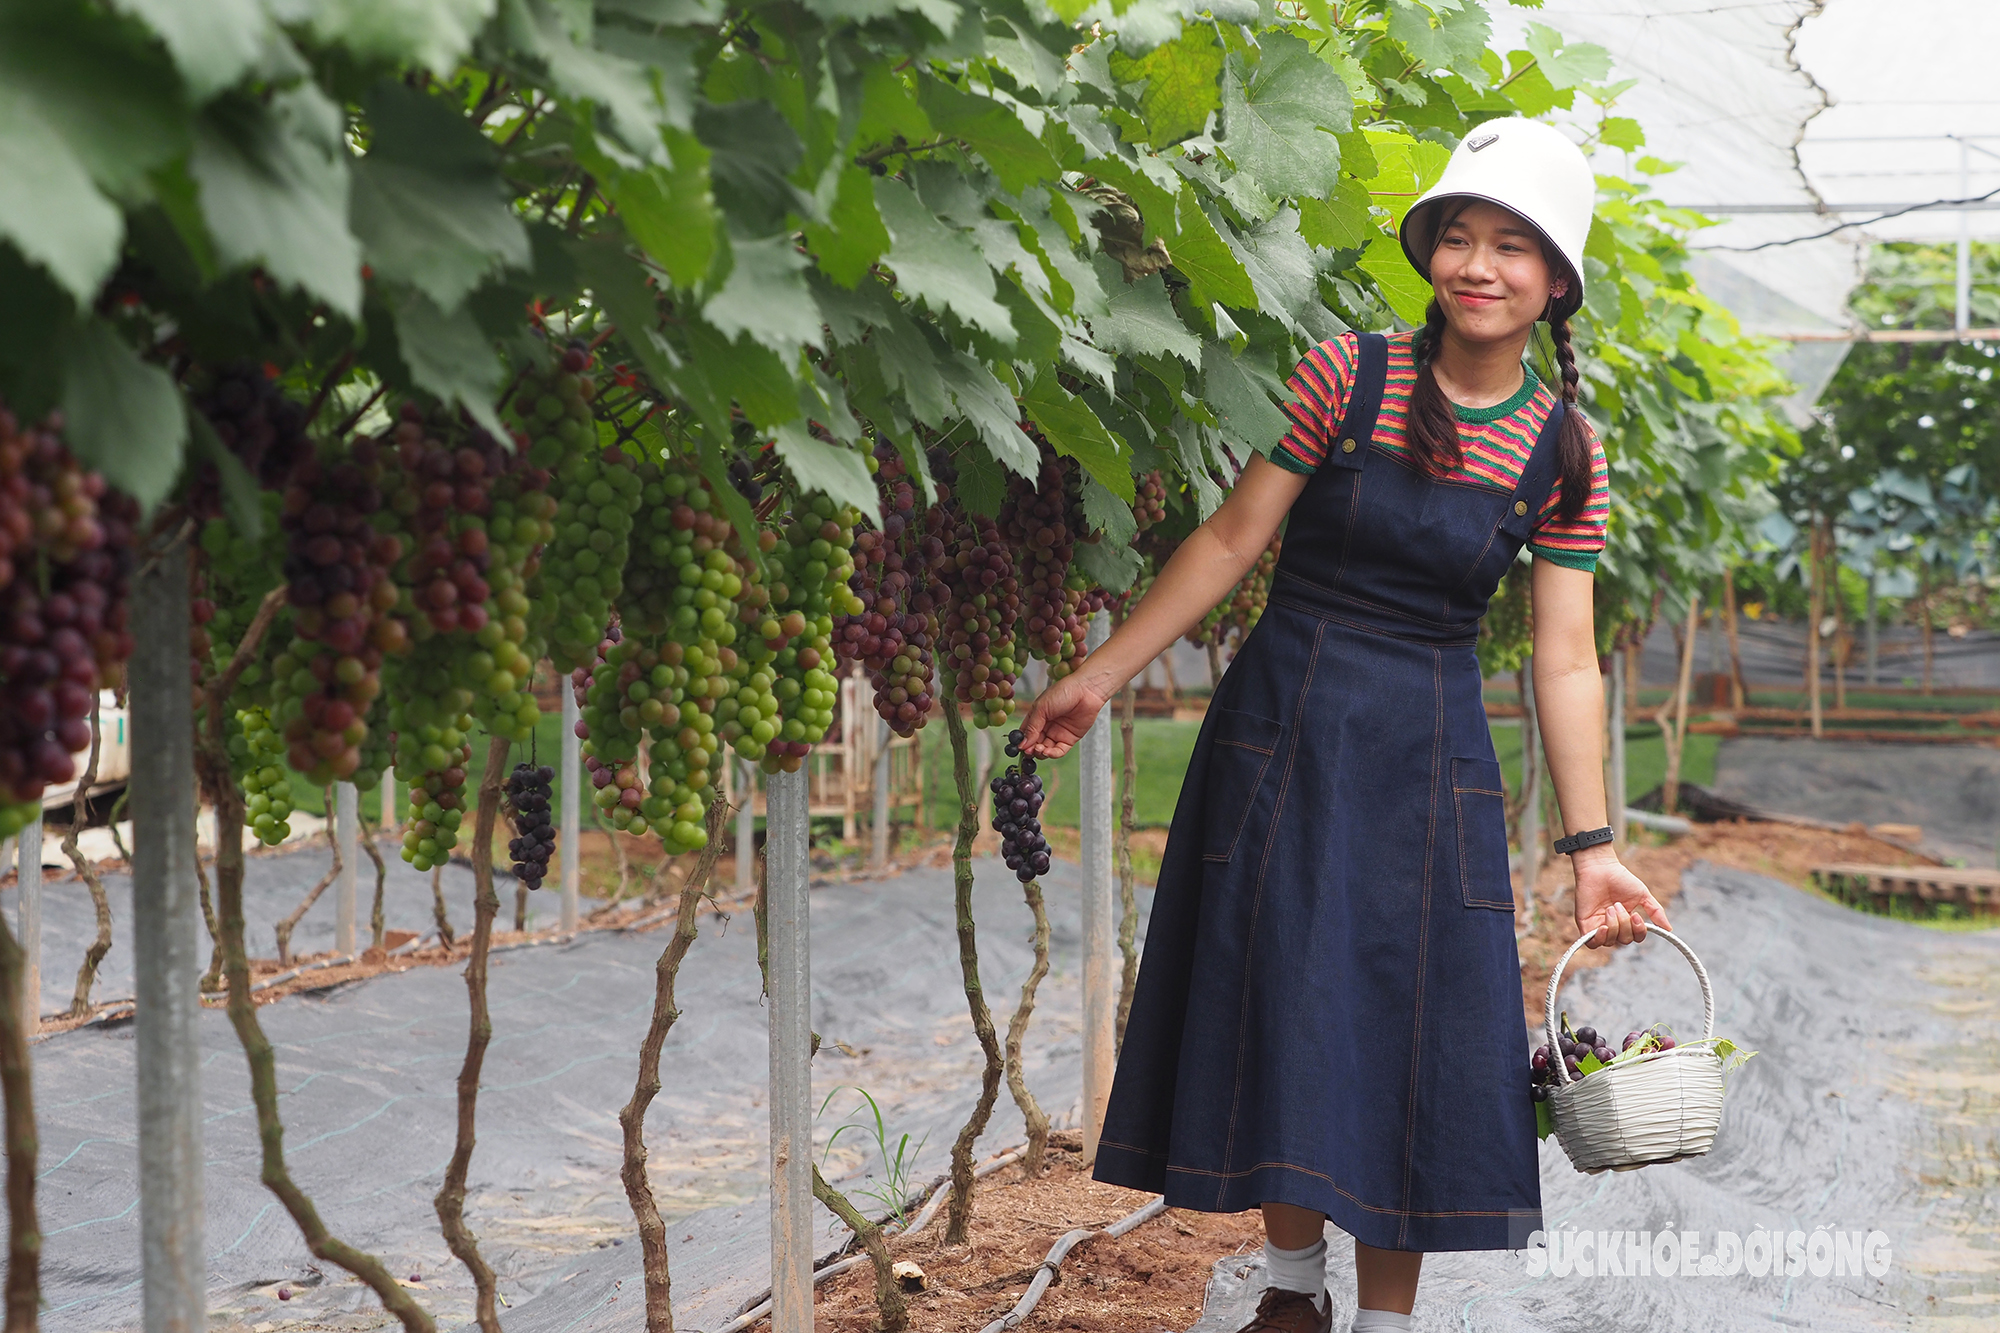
[{"x": 1490, "y": 274}]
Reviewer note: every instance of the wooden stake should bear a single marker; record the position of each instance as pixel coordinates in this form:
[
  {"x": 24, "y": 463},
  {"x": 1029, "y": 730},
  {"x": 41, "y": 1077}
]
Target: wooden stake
[
  {"x": 1671, "y": 789},
  {"x": 1815, "y": 608},
  {"x": 1739, "y": 694}
]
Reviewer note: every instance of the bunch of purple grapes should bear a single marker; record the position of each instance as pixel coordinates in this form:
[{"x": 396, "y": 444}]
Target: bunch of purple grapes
[
  {"x": 1585, "y": 1041},
  {"x": 534, "y": 831},
  {"x": 1017, "y": 800},
  {"x": 895, "y": 637}
]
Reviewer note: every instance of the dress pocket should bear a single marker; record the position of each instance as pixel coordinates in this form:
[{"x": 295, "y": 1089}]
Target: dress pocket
[
  {"x": 1241, "y": 750},
  {"x": 1484, "y": 879}
]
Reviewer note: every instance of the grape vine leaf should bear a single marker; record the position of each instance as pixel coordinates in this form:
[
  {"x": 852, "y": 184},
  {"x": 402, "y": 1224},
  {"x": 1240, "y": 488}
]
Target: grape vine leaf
[
  {"x": 1139, "y": 319},
  {"x": 1106, "y": 513},
  {"x": 938, "y": 264},
  {"x": 766, "y": 297},
  {"x": 991, "y": 409},
  {"x": 625, "y": 90},
  {"x": 1109, "y": 565},
  {"x": 990, "y": 129},
  {"x": 428, "y": 202},
  {"x": 1545, "y": 1121},
  {"x": 1341, "y": 221},
  {"x": 1074, "y": 430},
  {"x": 753, "y": 152},
  {"x": 715, "y": 467},
  {"x": 829, "y": 469},
  {"x": 448, "y": 357},
  {"x": 274, "y": 191},
  {"x": 49, "y": 207},
  {"x": 123, "y": 417},
  {"x": 853, "y": 237},
  {"x": 1455, "y": 43},
  {"x": 1621, "y": 132},
  {"x": 1215, "y": 275},
  {"x": 429, "y": 33},
  {"x": 1401, "y": 285},
  {"x": 1183, "y": 84},
  {"x": 668, "y": 211},
  {"x": 1566, "y": 65},
  {"x": 1281, "y": 118},
  {"x": 1404, "y": 168},
  {"x": 1245, "y": 413},
  {"x": 212, "y": 43}
]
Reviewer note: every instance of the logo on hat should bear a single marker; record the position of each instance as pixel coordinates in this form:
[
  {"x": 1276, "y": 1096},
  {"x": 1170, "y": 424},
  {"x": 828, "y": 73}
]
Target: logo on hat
[{"x": 1483, "y": 141}]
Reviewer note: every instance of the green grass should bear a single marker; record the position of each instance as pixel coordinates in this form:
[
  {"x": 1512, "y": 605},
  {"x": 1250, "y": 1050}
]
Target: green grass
[{"x": 1164, "y": 747}]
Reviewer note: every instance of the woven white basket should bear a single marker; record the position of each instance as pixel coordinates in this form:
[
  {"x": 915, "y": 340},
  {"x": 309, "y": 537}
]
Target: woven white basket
[{"x": 1659, "y": 1107}]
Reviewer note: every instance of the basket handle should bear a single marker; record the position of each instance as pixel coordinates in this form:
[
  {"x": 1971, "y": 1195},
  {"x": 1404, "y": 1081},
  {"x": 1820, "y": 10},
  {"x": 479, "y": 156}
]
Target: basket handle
[{"x": 1555, "y": 980}]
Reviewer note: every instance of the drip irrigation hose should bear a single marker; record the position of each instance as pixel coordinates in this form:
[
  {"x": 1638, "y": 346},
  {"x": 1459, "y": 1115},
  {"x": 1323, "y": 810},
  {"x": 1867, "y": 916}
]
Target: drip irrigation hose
[{"x": 1045, "y": 1274}]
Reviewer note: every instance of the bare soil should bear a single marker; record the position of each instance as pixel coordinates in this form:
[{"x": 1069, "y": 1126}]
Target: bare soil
[{"x": 1150, "y": 1280}]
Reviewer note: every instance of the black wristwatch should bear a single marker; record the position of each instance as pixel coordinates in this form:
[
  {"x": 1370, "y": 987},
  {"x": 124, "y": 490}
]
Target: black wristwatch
[{"x": 1576, "y": 842}]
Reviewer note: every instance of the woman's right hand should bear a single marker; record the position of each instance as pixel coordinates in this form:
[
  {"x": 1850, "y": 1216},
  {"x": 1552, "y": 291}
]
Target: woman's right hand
[{"x": 1061, "y": 714}]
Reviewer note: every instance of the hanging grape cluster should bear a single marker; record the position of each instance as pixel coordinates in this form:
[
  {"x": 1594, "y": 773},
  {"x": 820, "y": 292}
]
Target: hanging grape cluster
[
  {"x": 982, "y": 605},
  {"x": 65, "y": 566},
  {"x": 1149, "y": 502},
  {"x": 1041, "y": 521},
  {"x": 534, "y": 839},
  {"x": 257, "y": 755},
  {"x": 1017, "y": 803},
  {"x": 893, "y": 634},
  {"x": 596, "y": 488},
  {"x": 255, "y": 421},
  {"x": 808, "y": 573}
]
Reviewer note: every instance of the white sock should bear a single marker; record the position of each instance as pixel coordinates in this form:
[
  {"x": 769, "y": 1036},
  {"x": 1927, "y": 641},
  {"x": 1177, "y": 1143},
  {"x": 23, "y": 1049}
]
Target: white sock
[
  {"x": 1299, "y": 1270},
  {"x": 1367, "y": 1321}
]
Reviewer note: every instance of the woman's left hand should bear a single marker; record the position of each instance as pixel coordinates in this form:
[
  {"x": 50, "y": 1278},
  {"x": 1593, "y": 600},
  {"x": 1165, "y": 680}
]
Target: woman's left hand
[{"x": 1612, "y": 899}]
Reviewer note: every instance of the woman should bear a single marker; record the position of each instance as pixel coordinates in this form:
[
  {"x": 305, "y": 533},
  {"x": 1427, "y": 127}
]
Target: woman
[{"x": 1327, "y": 1021}]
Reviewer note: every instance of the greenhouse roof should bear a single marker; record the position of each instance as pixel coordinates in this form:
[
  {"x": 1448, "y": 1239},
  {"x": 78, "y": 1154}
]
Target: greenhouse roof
[{"x": 1793, "y": 119}]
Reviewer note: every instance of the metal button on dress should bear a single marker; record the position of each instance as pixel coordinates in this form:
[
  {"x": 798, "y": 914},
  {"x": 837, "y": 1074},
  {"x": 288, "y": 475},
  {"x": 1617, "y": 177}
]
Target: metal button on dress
[
  {"x": 1347, "y": 445},
  {"x": 1520, "y": 506}
]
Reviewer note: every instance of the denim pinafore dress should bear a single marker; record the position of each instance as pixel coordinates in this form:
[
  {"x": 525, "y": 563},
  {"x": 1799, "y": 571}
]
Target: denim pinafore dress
[{"x": 1328, "y": 1009}]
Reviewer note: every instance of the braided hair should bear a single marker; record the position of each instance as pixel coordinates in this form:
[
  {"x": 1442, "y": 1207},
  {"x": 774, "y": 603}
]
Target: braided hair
[{"x": 1573, "y": 444}]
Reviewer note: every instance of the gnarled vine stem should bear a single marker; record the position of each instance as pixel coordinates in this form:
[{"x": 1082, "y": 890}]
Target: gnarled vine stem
[
  {"x": 219, "y": 785},
  {"x": 450, "y": 1201},
  {"x": 958, "y": 1218},
  {"x": 86, "y": 975},
  {"x": 1036, "y": 1119},
  {"x": 632, "y": 1119}
]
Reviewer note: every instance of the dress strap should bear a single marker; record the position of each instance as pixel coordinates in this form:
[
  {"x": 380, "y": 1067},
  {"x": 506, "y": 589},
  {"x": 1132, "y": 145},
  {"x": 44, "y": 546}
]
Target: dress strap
[
  {"x": 1349, "y": 447},
  {"x": 1540, "y": 477}
]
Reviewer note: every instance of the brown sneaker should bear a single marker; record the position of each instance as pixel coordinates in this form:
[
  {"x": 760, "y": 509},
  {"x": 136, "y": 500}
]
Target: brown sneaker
[{"x": 1289, "y": 1312}]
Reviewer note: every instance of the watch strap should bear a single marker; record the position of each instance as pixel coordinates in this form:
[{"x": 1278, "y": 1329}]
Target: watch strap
[{"x": 1576, "y": 842}]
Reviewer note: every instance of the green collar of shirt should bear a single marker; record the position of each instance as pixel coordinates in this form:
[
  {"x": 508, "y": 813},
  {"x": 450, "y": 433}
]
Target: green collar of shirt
[{"x": 1481, "y": 415}]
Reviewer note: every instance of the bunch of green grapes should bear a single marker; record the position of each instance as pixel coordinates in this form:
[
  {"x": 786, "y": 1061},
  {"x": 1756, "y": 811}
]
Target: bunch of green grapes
[
  {"x": 257, "y": 754},
  {"x": 597, "y": 492},
  {"x": 808, "y": 573},
  {"x": 1230, "y": 623},
  {"x": 432, "y": 720}
]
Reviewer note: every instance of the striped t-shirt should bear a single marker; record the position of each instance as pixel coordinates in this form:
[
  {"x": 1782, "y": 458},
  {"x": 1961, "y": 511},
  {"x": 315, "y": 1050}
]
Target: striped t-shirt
[{"x": 1494, "y": 441}]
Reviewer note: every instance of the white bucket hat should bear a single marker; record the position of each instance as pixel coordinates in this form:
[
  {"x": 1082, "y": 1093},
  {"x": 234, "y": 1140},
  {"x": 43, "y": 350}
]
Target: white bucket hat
[{"x": 1527, "y": 167}]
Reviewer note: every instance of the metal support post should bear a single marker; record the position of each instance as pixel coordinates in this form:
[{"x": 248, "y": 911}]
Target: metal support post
[
  {"x": 166, "y": 914},
  {"x": 387, "y": 823},
  {"x": 1100, "y": 913},
  {"x": 746, "y": 825},
  {"x": 786, "y": 840},
  {"x": 1963, "y": 316},
  {"x": 881, "y": 825},
  {"x": 346, "y": 832},
  {"x": 572, "y": 797},
  {"x": 1873, "y": 675},
  {"x": 30, "y": 924}
]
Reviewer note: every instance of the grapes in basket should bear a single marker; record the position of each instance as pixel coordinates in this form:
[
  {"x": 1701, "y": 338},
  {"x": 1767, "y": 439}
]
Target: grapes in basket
[{"x": 1584, "y": 1050}]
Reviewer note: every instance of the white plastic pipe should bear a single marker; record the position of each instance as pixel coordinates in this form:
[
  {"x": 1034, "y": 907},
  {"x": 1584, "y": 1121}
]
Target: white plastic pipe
[
  {"x": 346, "y": 832},
  {"x": 387, "y": 823},
  {"x": 30, "y": 925},
  {"x": 1100, "y": 909},
  {"x": 788, "y": 933},
  {"x": 746, "y": 825},
  {"x": 166, "y": 917},
  {"x": 572, "y": 797},
  {"x": 881, "y": 826}
]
